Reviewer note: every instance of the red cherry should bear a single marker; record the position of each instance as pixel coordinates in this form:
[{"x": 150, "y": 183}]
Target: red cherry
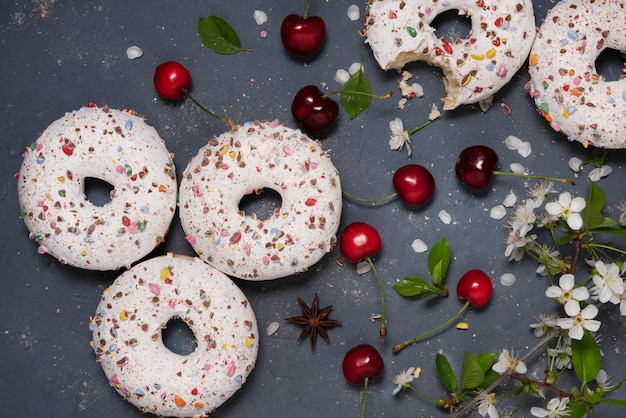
[
  {"x": 170, "y": 79},
  {"x": 475, "y": 166},
  {"x": 312, "y": 110},
  {"x": 476, "y": 287},
  {"x": 302, "y": 36},
  {"x": 358, "y": 241},
  {"x": 414, "y": 184},
  {"x": 361, "y": 362}
]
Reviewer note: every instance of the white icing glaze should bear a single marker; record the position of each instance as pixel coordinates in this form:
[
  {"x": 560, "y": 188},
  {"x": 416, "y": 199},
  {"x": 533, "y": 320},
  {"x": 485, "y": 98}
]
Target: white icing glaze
[
  {"x": 566, "y": 87},
  {"x": 502, "y": 32},
  {"x": 128, "y": 343},
  {"x": 111, "y": 145},
  {"x": 256, "y": 156}
]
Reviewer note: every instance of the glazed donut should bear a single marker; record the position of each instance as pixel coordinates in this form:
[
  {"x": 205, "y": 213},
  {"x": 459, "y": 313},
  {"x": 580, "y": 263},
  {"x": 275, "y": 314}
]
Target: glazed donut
[
  {"x": 252, "y": 157},
  {"x": 128, "y": 343},
  {"x": 566, "y": 87},
  {"x": 119, "y": 148},
  {"x": 502, "y": 32}
]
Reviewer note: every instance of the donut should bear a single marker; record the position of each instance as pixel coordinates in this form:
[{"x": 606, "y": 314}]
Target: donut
[
  {"x": 128, "y": 342},
  {"x": 114, "y": 146},
  {"x": 565, "y": 85},
  {"x": 475, "y": 68},
  {"x": 248, "y": 159}
]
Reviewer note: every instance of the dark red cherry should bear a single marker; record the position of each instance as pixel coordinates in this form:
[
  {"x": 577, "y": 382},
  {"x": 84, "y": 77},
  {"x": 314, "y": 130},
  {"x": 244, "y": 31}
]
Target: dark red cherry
[
  {"x": 302, "y": 36},
  {"x": 475, "y": 166},
  {"x": 414, "y": 184},
  {"x": 170, "y": 80},
  {"x": 312, "y": 110}
]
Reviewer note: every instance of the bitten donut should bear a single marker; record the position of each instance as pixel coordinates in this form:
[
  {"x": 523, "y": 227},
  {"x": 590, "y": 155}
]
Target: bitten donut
[
  {"x": 128, "y": 342},
  {"x": 114, "y": 146},
  {"x": 502, "y": 32},
  {"x": 565, "y": 84},
  {"x": 252, "y": 157}
]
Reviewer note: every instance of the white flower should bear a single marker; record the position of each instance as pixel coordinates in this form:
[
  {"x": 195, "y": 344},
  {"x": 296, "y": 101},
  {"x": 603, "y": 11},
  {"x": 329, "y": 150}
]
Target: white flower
[
  {"x": 486, "y": 404},
  {"x": 508, "y": 361},
  {"x": 562, "y": 354},
  {"x": 568, "y": 209},
  {"x": 399, "y": 137},
  {"x": 556, "y": 408},
  {"x": 603, "y": 381},
  {"x": 609, "y": 285},
  {"x": 524, "y": 218},
  {"x": 540, "y": 191},
  {"x": 403, "y": 379},
  {"x": 547, "y": 322},
  {"x": 567, "y": 295},
  {"x": 515, "y": 244},
  {"x": 583, "y": 320},
  {"x": 597, "y": 173}
]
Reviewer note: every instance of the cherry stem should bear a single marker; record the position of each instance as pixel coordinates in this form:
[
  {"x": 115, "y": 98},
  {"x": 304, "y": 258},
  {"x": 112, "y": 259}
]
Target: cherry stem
[
  {"x": 358, "y": 93},
  {"x": 306, "y": 9},
  {"x": 383, "y": 326},
  {"x": 365, "y": 383},
  {"x": 216, "y": 116},
  {"x": 423, "y": 125},
  {"x": 372, "y": 201},
  {"x": 530, "y": 176},
  {"x": 431, "y": 332}
]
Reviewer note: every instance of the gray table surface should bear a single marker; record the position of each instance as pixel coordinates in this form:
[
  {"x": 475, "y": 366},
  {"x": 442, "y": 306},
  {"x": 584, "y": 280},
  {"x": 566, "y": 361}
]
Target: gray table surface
[{"x": 59, "y": 56}]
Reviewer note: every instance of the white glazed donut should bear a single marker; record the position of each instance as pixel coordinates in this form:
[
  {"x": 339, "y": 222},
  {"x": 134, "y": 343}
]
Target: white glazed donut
[
  {"x": 566, "y": 87},
  {"x": 255, "y": 156},
  {"x": 117, "y": 147},
  {"x": 127, "y": 336},
  {"x": 502, "y": 32}
]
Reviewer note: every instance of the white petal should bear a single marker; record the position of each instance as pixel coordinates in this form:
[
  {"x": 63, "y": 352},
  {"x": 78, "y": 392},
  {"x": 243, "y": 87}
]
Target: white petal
[
  {"x": 554, "y": 208},
  {"x": 575, "y": 221},
  {"x": 355, "y": 67},
  {"x": 341, "y": 76},
  {"x": 509, "y": 200},
  {"x": 517, "y": 168},
  {"x": 260, "y": 17},
  {"x": 580, "y": 293},
  {"x": 589, "y": 312},
  {"x": 419, "y": 246},
  {"x": 554, "y": 292},
  {"x": 538, "y": 412},
  {"x": 565, "y": 199},
  {"x": 134, "y": 52},
  {"x": 521, "y": 368},
  {"x": 524, "y": 149},
  {"x": 363, "y": 267},
  {"x": 578, "y": 204},
  {"x": 576, "y": 332},
  {"x": 497, "y": 212},
  {"x": 396, "y": 126},
  {"x": 354, "y": 14},
  {"x": 565, "y": 323},
  {"x": 507, "y": 279},
  {"x": 444, "y": 217},
  {"x": 592, "y": 325},
  {"x": 272, "y": 328},
  {"x": 512, "y": 142},
  {"x": 567, "y": 281},
  {"x": 575, "y": 164},
  {"x": 572, "y": 307}
]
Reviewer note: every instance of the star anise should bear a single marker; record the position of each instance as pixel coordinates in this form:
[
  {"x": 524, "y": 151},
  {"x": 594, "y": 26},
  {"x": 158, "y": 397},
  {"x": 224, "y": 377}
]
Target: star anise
[{"x": 314, "y": 321}]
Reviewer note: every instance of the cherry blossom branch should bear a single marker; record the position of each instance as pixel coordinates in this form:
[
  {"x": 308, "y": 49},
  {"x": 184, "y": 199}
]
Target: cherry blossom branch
[{"x": 470, "y": 404}]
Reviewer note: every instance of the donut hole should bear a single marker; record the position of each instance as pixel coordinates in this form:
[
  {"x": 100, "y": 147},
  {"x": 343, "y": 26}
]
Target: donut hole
[
  {"x": 451, "y": 26},
  {"x": 178, "y": 337},
  {"x": 262, "y": 203},
  {"x": 97, "y": 191},
  {"x": 611, "y": 64}
]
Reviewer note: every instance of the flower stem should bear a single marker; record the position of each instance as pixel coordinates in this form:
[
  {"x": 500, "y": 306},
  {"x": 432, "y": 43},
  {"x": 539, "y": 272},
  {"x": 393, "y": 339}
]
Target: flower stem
[
  {"x": 216, "y": 116},
  {"x": 365, "y": 383},
  {"x": 422, "y": 394},
  {"x": 358, "y": 93},
  {"x": 306, "y": 9},
  {"x": 431, "y": 332},
  {"x": 531, "y": 176},
  {"x": 372, "y": 201},
  {"x": 423, "y": 125},
  {"x": 383, "y": 327}
]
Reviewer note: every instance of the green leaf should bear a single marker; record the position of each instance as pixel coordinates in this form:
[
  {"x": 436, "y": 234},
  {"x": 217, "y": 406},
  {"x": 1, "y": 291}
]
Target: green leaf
[
  {"x": 616, "y": 402},
  {"x": 445, "y": 372},
  {"x": 596, "y": 196},
  {"x": 439, "y": 260},
  {"x": 576, "y": 409},
  {"x": 218, "y": 35},
  {"x": 586, "y": 357},
  {"x": 490, "y": 377},
  {"x": 485, "y": 360},
  {"x": 353, "y": 103},
  {"x": 597, "y": 157},
  {"x": 611, "y": 231},
  {"x": 413, "y": 286},
  {"x": 472, "y": 374}
]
